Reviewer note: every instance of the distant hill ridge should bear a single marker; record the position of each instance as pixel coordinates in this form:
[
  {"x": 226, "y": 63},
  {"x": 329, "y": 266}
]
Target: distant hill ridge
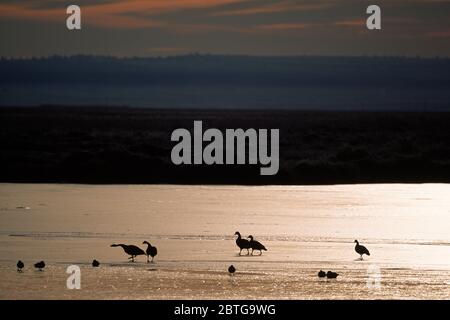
[{"x": 234, "y": 70}]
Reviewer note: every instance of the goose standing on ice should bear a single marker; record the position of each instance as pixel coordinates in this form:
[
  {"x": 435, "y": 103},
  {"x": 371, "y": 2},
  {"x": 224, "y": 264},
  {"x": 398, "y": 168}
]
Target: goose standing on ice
[
  {"x": 361, "y": 250},
  {"x": 242, "y": 243},
  {"x": 256, "y": 245},
  {"x": 151, "y": 251},
  {"x": 131, "y": 250}
]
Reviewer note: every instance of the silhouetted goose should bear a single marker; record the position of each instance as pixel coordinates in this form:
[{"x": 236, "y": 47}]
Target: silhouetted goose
[
  {"x": 95, "y": 263},
  {"x": 131, "y": 250},
  {"x": 20, "y": 266},
  {"x": 321, "y": 274},
  {"x": 231, "y": 270},
  {"x": 361, "y": 250},
  {"x": 256, "y": 245},
  {"x": 151, "y": 250},
  {"x": 332, "y": 275},
  {"x": 242, "y": 243},
  {"x": 40, "y": 265}
]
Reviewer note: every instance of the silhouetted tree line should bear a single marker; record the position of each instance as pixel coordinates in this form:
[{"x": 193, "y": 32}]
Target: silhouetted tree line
[{"x": 222, "y": 70}]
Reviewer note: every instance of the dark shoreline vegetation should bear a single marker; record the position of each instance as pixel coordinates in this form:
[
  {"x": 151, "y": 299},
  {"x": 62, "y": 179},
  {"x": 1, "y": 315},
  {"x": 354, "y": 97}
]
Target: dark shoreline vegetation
[{"x": 113, "y": 145}]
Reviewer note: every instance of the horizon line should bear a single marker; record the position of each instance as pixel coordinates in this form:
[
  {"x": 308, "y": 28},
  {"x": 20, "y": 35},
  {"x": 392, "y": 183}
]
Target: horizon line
[{"x": 226, "y": 55}]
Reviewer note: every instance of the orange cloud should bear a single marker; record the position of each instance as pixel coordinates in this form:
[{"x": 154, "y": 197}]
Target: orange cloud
[
  {"x": 151, "y": 7},
  {"x": 282, "y": 26},
  {"x": 350, "y": 23},
  {"x": 15, "y": 11},
  {"x": 276, "y": 7},
  {"x": 118, "y": 14},
  {"x": 439, "y": 34}
]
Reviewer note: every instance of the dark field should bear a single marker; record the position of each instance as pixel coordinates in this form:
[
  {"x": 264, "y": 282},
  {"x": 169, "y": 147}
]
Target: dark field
[{"x": 124, "y": 145}]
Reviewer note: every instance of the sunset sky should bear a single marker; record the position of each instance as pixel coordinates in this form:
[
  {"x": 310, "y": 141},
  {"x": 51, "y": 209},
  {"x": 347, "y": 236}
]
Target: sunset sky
[{"x": 251, "y": 27}]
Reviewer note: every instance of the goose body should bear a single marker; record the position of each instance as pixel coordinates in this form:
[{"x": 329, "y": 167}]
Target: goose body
[
  {"x": 131, "y": 250},
  {"x": 332, "y": 275},
  {"x": 256, "y": 245},
  {"x": 242, "y": 243},
  {"x": 361, "y": 250},
  {"x": 95, "y": 263},
  {"x": 321, "y": 274},
  {"x": 151, "y": 250}
]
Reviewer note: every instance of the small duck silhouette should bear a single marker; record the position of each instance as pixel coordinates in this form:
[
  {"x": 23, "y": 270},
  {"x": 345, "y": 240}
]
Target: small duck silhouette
[
  {"x": 231, "y": 270},
  {"x": 95, "y": 263},
  {"x": 40, "y": 265},
  {"x": 20, "y": 266},
  {"x": 321, "y": 274}
]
